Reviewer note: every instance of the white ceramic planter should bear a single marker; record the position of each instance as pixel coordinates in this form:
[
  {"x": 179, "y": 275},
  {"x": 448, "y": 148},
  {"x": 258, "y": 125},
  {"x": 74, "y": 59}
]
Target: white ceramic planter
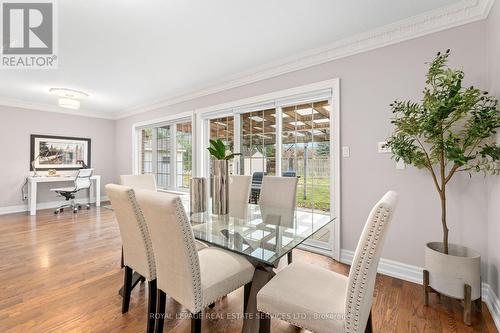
[{"x": 448, "y": 273}]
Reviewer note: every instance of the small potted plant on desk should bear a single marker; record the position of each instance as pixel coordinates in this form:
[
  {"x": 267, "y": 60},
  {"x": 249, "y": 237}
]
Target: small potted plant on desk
[
  {"x": 220, "y": 172},
  {"x": 451, "y": 131}
]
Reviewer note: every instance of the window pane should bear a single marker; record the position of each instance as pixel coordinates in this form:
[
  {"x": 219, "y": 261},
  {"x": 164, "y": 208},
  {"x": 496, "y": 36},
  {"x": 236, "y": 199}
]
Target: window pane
[
  {"x": 163, "y": 157},
  {"x": 306, "y": 153},
  {"x": 146, "y": 151},
  {"x": 258, "y": 142},
  {"x": 184, "y": 154},
  {"x": 223, "y": 129}
]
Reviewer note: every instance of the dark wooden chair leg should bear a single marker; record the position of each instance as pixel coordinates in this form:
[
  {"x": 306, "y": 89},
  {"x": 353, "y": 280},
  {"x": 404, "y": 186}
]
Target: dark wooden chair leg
[
  {"x": 246, "y": 295},
  {"x": 122, "y": 264},
  {"x": 264, "y": 323},
  {"x": 369, "y": 324},
  {"x": 467, "y": 304},
  {"x": 290, "y": 257},
  {"x": 479, "y": 302},
  {"x": 426, "y": 288},
  {"x": 151, "y": 306},
  {"x": 127, "y": 288},
  {"x": 160, "y": 310},
  {"x": 196, "y": 323}
]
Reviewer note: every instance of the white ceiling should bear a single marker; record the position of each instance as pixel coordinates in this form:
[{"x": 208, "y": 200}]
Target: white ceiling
[{"x": 128, "y": 53}]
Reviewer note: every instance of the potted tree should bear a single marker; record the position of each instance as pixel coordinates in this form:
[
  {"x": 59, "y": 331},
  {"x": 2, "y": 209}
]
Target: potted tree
[
  {"x": 220, "y": 183},
  {"x": 450, "y": 131}
]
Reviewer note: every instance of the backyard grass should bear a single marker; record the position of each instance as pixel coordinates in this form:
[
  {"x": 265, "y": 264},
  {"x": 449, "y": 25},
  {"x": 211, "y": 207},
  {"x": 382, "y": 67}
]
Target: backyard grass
[{"x": 317, "y": 194}]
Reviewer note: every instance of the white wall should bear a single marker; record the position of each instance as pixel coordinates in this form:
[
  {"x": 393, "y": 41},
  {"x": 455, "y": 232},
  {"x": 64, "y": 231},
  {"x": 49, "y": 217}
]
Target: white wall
[
  {"x": 369, "y": 83},
  {"x": 494, "y": 181},
  {"x": 16, "y": 126}
]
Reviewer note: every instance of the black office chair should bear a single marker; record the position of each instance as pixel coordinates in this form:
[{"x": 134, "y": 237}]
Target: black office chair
[
  {"x": 256, "y": 184},
  {"x": 82, "y": 182}
]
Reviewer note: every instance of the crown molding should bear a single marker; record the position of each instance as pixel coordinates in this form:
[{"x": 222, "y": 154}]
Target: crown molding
[
  {"x": 463, "y": 12},
  {"x": 15, "y": 103}
]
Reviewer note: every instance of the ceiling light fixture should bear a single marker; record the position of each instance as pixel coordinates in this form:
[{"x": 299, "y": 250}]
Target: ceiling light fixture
[
  {"x": 69, "y": 103},
  {"x": 68, "y": 93},
  {"x": 69, "y": 98}
]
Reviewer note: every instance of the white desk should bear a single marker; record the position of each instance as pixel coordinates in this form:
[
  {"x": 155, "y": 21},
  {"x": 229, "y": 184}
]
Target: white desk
[{"x": 95, "y": 189}]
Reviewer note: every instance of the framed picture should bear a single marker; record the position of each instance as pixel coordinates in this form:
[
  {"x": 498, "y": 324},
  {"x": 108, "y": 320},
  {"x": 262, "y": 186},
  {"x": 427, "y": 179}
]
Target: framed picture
[{"x": 58, "y": 152}]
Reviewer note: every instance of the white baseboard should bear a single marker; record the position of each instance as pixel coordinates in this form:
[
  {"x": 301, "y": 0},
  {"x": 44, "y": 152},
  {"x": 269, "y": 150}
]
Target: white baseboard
[
  {"x": 42, "y": 205},
  {"x": 414, "y": 274},
  {"x": 389, "y": 267},
  {"x": 493, "y": 303}
]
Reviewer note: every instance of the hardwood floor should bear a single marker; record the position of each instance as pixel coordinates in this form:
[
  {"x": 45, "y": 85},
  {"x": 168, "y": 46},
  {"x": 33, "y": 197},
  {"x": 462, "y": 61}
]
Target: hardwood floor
[{"x": 62, "y": 274}]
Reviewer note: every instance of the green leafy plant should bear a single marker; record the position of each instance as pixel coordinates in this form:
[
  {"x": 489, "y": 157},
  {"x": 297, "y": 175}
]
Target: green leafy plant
[
  {"x": 218, "y": 150},
  {"x": 451, "y": 130}
]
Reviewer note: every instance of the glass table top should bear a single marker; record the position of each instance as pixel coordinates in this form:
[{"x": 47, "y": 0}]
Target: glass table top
[{"x": 260, "y": 232}]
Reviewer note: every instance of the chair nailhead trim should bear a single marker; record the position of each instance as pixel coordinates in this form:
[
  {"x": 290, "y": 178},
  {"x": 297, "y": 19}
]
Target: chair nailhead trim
[
  {"x": 367, "y": 257},
  {"x": 194, "y": 263},
  {"x": 145, "y": 235}
]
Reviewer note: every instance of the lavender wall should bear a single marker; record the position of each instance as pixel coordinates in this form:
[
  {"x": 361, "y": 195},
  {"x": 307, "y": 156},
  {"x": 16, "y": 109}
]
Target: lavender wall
[
  {"x": 17, "y": 125},
  {"x": 369, "y": 82},
  {"x": 494, "y": 182}
]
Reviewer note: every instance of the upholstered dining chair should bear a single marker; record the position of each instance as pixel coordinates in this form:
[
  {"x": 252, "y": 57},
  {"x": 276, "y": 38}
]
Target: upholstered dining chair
[
  {"x": 322, "y": 301},
  {"x": 239, "y": 189},
  {"x": 139, "y": 182},
  {"x": 138, "y": 253},
  {"x": 148, "y": 182},
  {"x": 193, "y": 278},
  {"x": 279, "y": 193}
]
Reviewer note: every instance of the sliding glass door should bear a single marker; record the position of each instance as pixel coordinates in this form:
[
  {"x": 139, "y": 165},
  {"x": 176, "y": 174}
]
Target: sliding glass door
[{"x": 288, "y": 137}]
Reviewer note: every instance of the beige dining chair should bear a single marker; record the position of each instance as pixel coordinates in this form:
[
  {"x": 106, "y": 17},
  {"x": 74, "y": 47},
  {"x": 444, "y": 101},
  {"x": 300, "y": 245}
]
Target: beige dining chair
[
  {"x": 138, "y": 253},
  {"x": 193, "y": 278},
  {"x": 239, "y": 192},
  {"x": 323, "y": 301},
  {"x": 279, "y": 193},
  {"x": 139, "y": 182},
  {"x": 148, "y": 182}
]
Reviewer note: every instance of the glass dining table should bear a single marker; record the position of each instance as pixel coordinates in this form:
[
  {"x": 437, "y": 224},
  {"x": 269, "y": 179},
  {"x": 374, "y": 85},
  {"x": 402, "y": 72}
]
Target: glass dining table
[{"x": 263, "y": 234}]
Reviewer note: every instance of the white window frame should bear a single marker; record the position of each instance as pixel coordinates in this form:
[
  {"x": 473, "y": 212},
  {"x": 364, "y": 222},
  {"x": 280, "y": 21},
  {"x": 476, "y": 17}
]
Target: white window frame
[
  {"x": 295, "y": 95},
  {"x": 171, "y": 121}
]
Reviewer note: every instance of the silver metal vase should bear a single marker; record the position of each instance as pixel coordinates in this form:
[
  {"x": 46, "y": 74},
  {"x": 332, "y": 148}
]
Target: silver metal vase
[
  {"x": 220, "y": 187},
  {"x": 198, "y": 195}
]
